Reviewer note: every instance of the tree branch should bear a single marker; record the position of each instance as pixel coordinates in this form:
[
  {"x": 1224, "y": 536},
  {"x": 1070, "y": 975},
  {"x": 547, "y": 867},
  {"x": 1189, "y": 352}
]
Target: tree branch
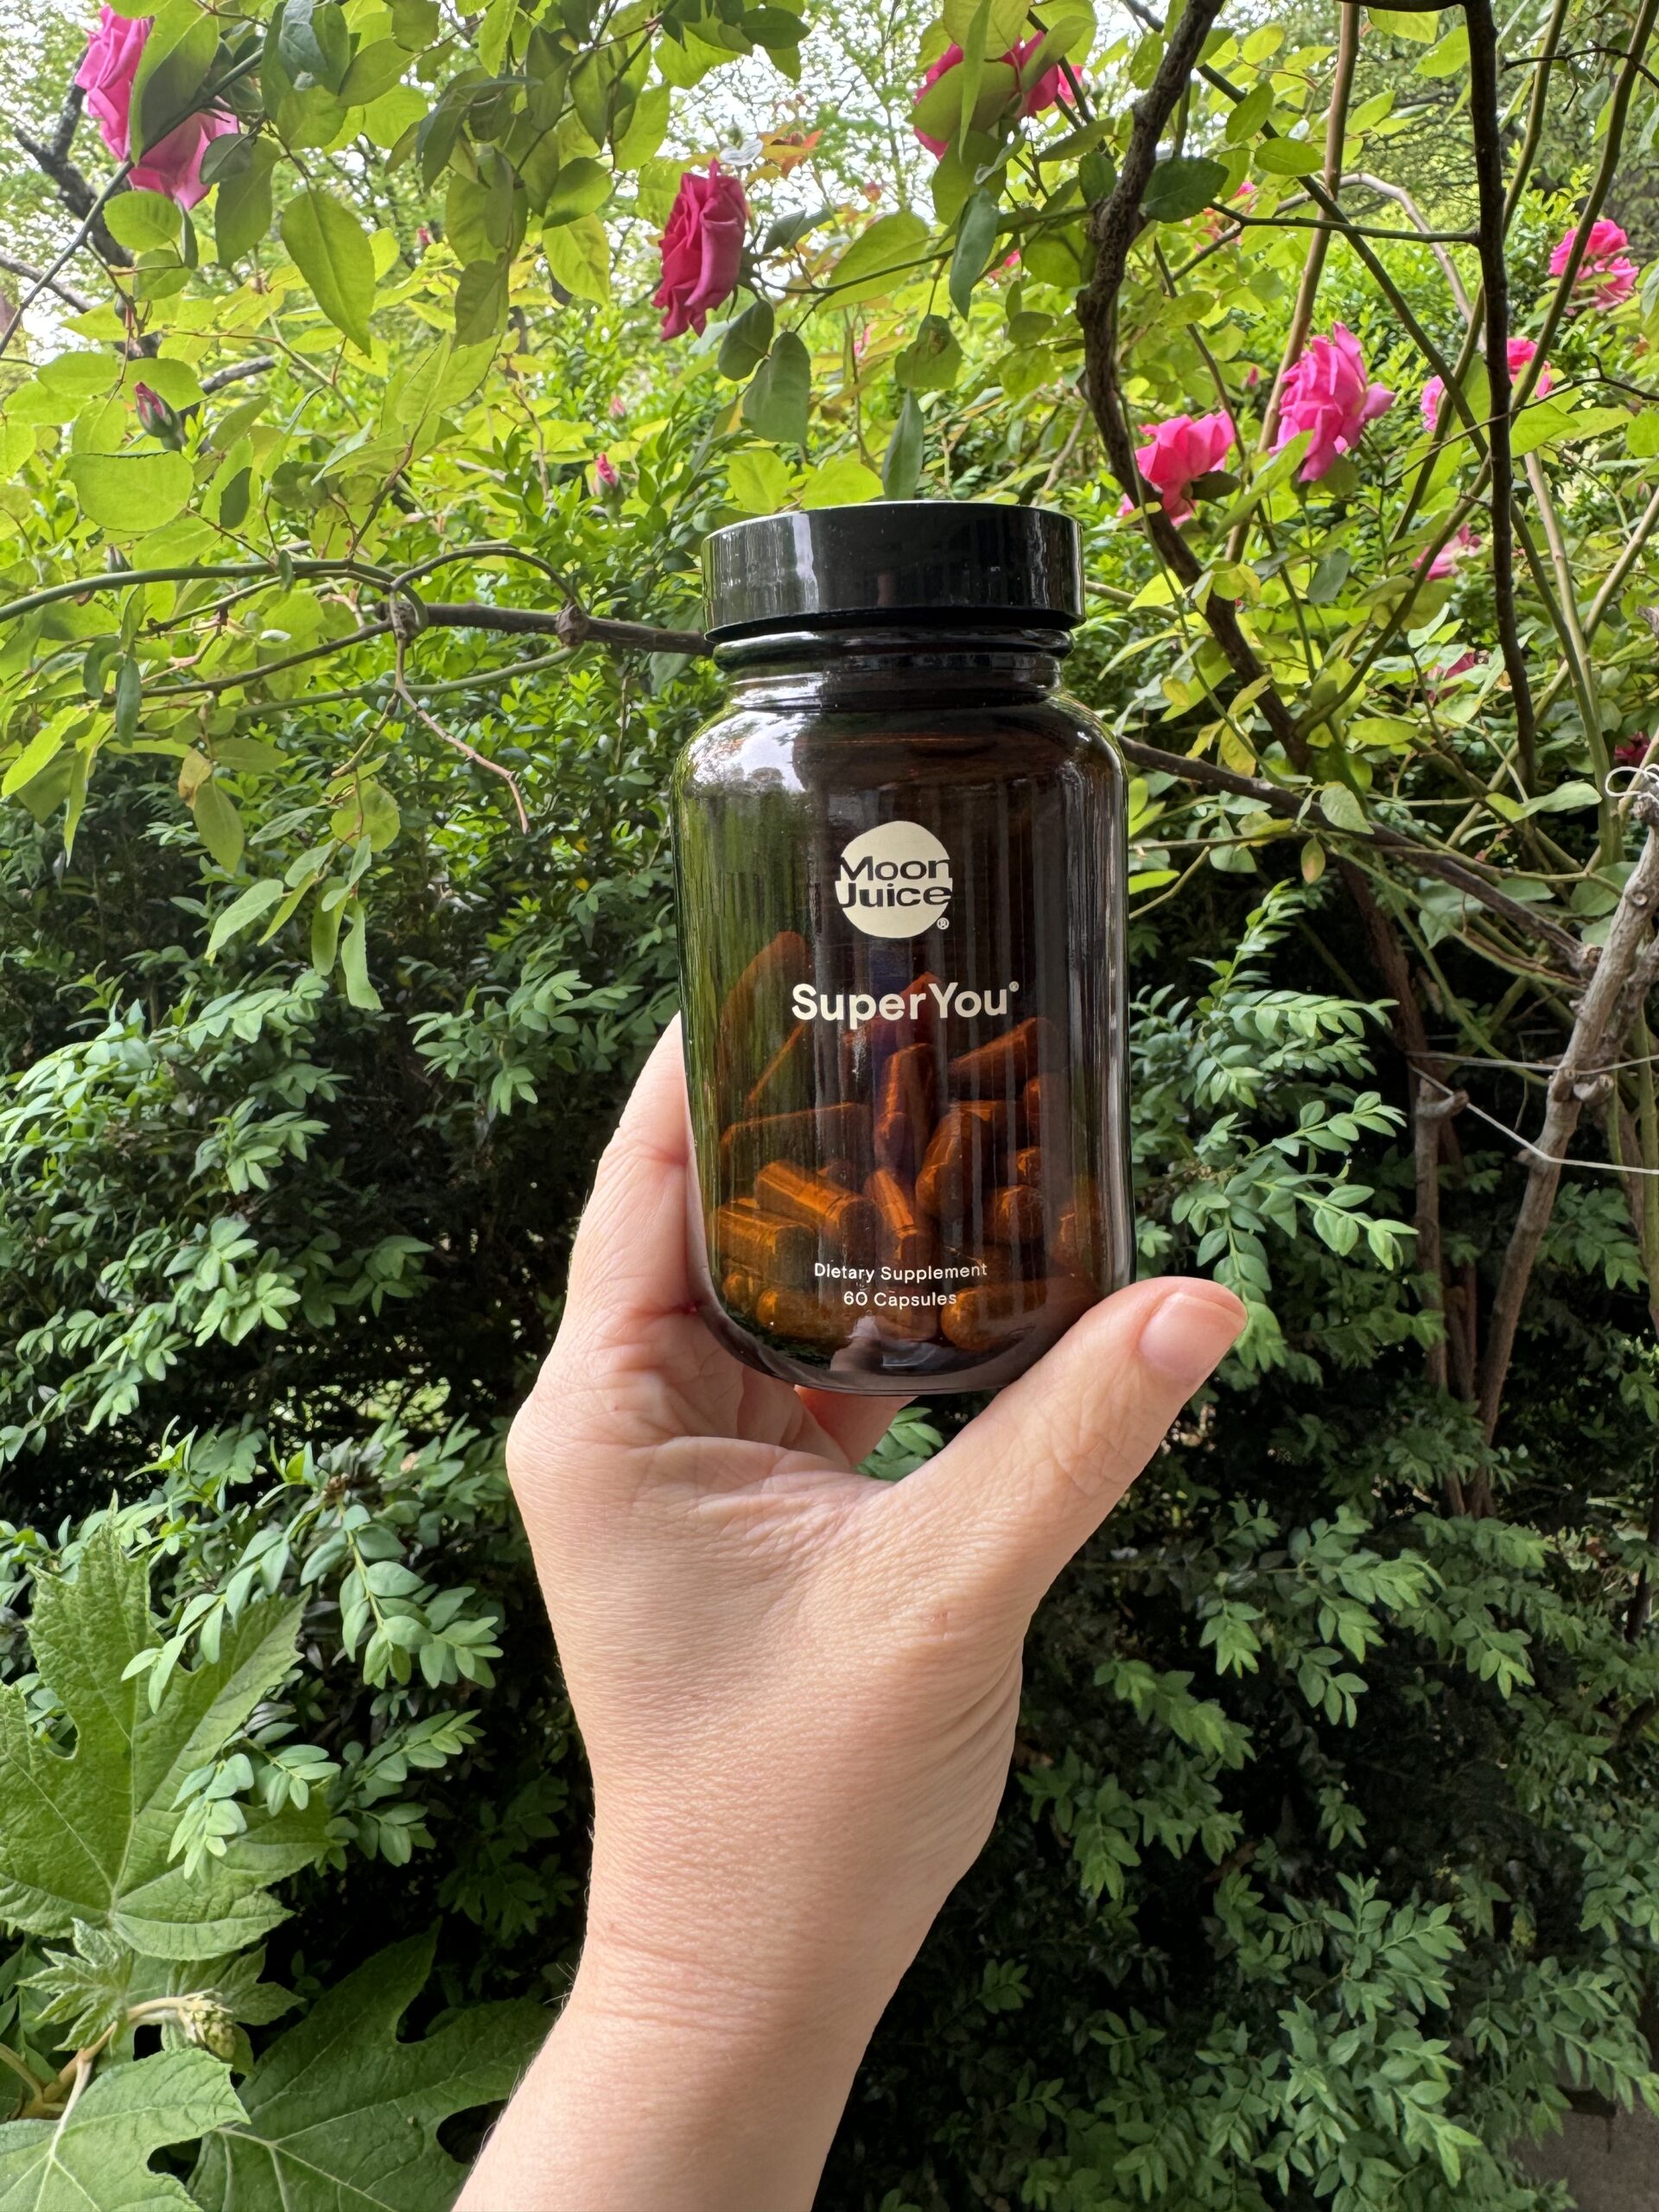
[
  {"x": 1288, "y": 805},
  {"x": 1487, "y": 130},
  {"x": 1336, "y": 126},
  {"x": 1603, "y": 1014},
  {"x": 30, "y": 274}
]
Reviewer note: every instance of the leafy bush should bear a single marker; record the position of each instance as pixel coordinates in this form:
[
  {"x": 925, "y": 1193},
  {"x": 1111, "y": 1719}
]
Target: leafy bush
[{"x": 335, "y": 919}]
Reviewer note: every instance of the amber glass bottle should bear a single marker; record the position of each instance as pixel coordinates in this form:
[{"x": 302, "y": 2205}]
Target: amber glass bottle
[{"x": 900, "y": 859}]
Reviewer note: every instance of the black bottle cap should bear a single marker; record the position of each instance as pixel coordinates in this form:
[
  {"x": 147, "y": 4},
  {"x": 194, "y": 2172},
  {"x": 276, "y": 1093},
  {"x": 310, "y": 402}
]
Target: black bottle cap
[{"x": 893, "y": 560}]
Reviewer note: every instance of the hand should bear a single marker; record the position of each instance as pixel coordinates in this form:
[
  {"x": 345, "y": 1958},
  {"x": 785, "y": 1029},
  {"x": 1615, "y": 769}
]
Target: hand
[{"x": 797, "y": 1687}]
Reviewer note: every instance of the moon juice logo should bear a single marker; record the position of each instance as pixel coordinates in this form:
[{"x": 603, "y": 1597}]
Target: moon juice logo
[{"x": 894, "y": 881}]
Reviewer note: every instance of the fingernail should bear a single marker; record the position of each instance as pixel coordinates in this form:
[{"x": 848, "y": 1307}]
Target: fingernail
[{"x": 1186, "y": 1335}]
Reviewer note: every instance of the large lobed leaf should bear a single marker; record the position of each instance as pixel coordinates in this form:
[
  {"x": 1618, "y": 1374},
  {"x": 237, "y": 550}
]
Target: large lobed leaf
[
  {"x": 98, "y": 2155},
  {"x": 86, "y": 1834},
  {"x": 342, "y": 2117}
]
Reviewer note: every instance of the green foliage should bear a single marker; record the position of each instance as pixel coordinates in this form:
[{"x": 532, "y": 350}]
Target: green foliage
[
  {"x": 1325, "y": 1876},
  {"x": 340, "y": 2111}
]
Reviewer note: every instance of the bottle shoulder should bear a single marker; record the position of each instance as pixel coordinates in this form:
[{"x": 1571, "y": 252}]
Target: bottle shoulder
[{"x": 809, "y": 741}]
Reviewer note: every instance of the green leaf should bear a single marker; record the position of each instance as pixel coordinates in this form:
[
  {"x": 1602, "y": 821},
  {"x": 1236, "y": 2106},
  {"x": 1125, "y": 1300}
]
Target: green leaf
[
  {"x": 580, "y": 188},
  {"x": 747, "y": 343},
  {"x": 902, "y": 467},
  {"x": 647, "y": 127},
  {"x": 342, "y": 2116},
  {"x": 1181, "y": 187},
  {"x": 128, "y": 494},
  {"x": 758, "y": 481},
  {"x": 1341, "y": 808},
  {"x": 143, "y": 221},
  {"x": 129, "y": 698},
  {"x": 332, "y": 252},
  {"x": 88, "y": 1835},
  {"x": 1288, "y": 157},
  {"x": 579, "y": 255},
  {"x": 780, "y": 392},
  {"x": 171, "y": 71},
  {"x": 354, "y": 965},
  {"x": 877, "y": 259},
  {"x": 481, "y": 301},
  {"x": 242, "y": 210},
  {"x": 100, "y": 2154},
  {"x": 375, "y": 69},
  {"x": 219, "y": 824},
  {"x": 1450, "y": 57},
  {"x": 1006, "y": 19},
  {"x": 841, "y": 481},
  {"x": 1419, "y": 25},
  {"x": 258, "y": 899},
  {"x": 933, "y": 360},
  {"x": 976, "y": 236}
]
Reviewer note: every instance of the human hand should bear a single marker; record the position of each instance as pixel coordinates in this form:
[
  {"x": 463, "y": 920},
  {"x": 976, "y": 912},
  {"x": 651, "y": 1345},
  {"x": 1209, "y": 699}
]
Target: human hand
[{"x": 797, "y": 1687}]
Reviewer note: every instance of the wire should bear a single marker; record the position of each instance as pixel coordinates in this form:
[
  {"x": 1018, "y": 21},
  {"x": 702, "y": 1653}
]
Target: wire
[{"x": 1550, "y": 1158}]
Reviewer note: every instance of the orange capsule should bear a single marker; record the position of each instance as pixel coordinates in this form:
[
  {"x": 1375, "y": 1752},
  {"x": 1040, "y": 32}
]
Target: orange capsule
[
  {"x": 906, "y": 1096},
  {"x": 748, "y": 1241},
  {"x": 917, "y": 1323},
  {"x": 841, "y": 1132},
  {"x": 1075, "y": 1232},
  {"x": 801, "y": 1314},
  {"x": 1015, "y": 1215},
  {"x": 1006, "y": 1065},
  {"x": 1028, "y": 1166},
  {"x": 844, "y": 1172},
  {"x": 990, "y": 1319},
  {"x": 908, "y": 1015},
  {"x": 738, "y": 1293},
  {"x": 846, "y": 1224},
  {"x": 968, "y": 1139},
  {"x": 1042, "y": 1110},
  {"x": 907, "y": 1239}
]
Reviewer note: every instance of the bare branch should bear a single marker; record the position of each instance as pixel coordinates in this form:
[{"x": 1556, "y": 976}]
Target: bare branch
[
  {"x": 1486, "y": 125},
  {"x": 1597, "y": 1038},
  {"x": 238, "y": 370},
  {"x": 30, "y": 274},
  {"x": 1425, "y": 858}
]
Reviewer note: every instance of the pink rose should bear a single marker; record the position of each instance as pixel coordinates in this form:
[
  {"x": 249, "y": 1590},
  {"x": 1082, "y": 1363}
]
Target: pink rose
[
  {"x": 173, "y": 164},
  {"x": 157, "y": 417},
  {"x": 1606, "y": 274},
  {"x": 1445, "y": 562},
  {"x": 1181, "y": 450},
  {"x": 605, "y": 475},
  {"x": 1520, "y": 352},
  {"x": 703, "y": 248},
  {"x": 1631, "y": 753},
  {"x": 1327, "y": 393},
  {"x": 1049, "y": 90}
]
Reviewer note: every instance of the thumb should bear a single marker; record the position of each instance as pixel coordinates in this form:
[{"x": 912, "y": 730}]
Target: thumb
[{"x": 1005, "y": 1505}]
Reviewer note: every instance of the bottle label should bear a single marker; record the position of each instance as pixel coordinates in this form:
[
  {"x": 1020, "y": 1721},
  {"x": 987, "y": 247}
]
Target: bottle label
[
  {"x": 924, "y": 999},
  {"x": 894, "y": 881}
]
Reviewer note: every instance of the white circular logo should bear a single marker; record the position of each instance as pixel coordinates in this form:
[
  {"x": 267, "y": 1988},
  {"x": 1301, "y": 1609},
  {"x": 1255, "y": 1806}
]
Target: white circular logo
[{"x": 894, "y": 881}]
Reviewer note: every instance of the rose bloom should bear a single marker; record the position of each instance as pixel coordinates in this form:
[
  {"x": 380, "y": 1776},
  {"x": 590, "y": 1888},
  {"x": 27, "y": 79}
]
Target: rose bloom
[
  {"x": 1181, "y": 450},
  {"x": 1051, "y": 89},
  {"x": 1606, "y": 275},
  {"x": 1631, "y": 753},
  {"x": 703, "y": 248},
  {"x": 1445, "y": 562},
  {"x": 1520, "y": 352},
  {"x": 1327, "y": 393},
  {"x": 173, "y": 164},
  {"x": 604, "y": 476}
]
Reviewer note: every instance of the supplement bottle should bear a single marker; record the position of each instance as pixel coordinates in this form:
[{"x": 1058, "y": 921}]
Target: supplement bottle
[{"x": 900, "y": 860}]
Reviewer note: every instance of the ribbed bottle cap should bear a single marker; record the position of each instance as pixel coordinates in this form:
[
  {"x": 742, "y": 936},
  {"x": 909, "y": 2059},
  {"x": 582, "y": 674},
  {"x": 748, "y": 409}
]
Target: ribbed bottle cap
[{"x": 893, "y": 560}]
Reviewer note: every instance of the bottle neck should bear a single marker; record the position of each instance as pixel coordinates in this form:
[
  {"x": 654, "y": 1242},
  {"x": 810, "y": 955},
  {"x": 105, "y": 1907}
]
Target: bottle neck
[{"x": 937, "y": 663}]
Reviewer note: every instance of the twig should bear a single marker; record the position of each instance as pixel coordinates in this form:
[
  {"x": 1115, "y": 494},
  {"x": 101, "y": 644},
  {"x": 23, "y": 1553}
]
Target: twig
[
  {"x": 1301, "y": 318},
  {"x": 1425, "y": 858},
  {"x": 1435, "y": 240},
  {"x": 30, "y": 274},
  {"x": 1580, "y": 1078},
  {"x": 65, "y": 256},
  {"x": 1487, "y": 129},
  {"x": 238, "y": 370},
  {"x": 413, "y": 706}
]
